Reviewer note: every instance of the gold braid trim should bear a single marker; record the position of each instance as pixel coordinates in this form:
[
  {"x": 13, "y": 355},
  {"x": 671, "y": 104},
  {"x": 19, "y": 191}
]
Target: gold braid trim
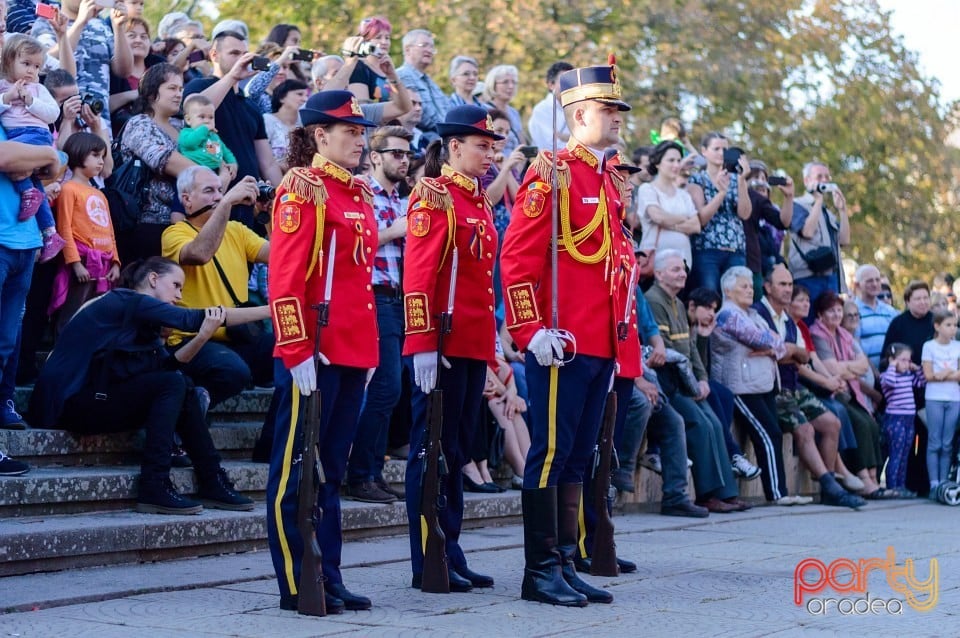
[
  {"x": 305, "y": 183},
  {"x": 365, "y": 191},
  {"x": 437, "y": 197},
  {"x": 620, "y": 181},
  {"x": 543, "y": 167},
  {"x": 569, "y": 240}
]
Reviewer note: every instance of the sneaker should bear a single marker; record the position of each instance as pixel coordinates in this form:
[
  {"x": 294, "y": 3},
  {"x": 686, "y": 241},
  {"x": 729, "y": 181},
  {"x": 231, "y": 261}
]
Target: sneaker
[
  {"x": 163, "y": 498},
  {"x": 368, "y": 492},
  {"x": 386, "y": 487},
  {"x": 30, "y": 201},
  {"x": 794, "y": 500},
  {"x": 218, "y": 493},
  {"x": 842, "y": 499},
  {"x": 52, "y": 245},
  {"x": 743, "y": 468},
  {"x": 10, "y": 419},
  {"x": 12, "y": 467},
  {"x": 651, "y": 462}
]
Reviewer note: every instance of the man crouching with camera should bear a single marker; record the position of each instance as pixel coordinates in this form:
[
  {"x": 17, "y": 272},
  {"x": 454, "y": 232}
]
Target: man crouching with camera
[
  {"x": 817, "y": 233},
  {"x": 214, "y": 253}
]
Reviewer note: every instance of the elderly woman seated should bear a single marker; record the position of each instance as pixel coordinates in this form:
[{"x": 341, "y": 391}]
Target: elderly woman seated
[
  {"x": 745, "y": 357},
  {"x": 842, "y": 357}
]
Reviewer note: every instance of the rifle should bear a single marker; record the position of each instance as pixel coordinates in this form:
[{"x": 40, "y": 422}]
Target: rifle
[
  {"x": 604, "y": 551},
  {"x": 311, "y": 599},
  {"x": 436, "y": 579}
]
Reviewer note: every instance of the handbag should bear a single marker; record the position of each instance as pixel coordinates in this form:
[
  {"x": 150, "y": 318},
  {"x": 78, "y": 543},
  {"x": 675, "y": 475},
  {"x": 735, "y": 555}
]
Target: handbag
[
  {"x": 243, "y": 332},
  {"x": 126, "y": 189},
  {"x": 819, "y": 260}
]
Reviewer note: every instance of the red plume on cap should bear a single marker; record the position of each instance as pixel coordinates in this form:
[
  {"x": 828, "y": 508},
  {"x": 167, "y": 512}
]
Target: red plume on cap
[{"x": 611, "y": 59}]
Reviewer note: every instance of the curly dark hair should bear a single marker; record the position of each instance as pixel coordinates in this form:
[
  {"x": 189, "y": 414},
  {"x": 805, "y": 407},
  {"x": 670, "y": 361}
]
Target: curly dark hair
[
  {"x": 302, "y": 146},
  {"x": 656, "y": 156},
  {"x": 150, "y": 85}
]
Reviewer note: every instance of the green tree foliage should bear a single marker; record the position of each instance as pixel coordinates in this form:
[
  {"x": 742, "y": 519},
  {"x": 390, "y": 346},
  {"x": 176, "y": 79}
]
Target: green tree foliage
[{"x": 790, "y": 81}]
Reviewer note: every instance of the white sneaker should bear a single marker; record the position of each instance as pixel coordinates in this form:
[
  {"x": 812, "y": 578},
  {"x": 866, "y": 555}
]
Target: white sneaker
[
  {"x": 742, "y": 468},
  {"x": 786, "y": 501},
  {"x": 651, "y": 462},
  {"x": 802, "y": 500}
]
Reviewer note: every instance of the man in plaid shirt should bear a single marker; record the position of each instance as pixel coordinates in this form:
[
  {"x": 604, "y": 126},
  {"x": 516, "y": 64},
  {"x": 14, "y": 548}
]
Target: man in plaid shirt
[{"x": 390, "y": 158}]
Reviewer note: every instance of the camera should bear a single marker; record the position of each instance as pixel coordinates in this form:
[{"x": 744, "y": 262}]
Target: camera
[
  {"x": 196, "y": 56},
  {"x": 265, "y": 192},
  {"x": 95, "y": 103},
  {"x": 260, "y": 63},
  {"x": 826, "y": 187},
  {"x": 528, "y": 151},
  {"x": 777, "y": 180},
  {"x": 304, "y": 55},
  {"x": 731, "y": 159},
  {"x": 367, "y": 48}
]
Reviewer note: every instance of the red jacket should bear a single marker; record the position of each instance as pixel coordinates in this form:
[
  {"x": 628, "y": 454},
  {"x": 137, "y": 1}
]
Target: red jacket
[
  {"x": 590, "y": 275},
  {"x": 629, "y": 358},
  {"x": 451, "y": 210},
  {"x": 311, "y": 205}
]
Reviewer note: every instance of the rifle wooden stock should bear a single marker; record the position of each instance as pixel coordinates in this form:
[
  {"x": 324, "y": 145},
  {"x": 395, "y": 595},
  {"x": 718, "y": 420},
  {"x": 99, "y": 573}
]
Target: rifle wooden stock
[
  {"x": 435, "y": 578},
  {"x": 310, "y": 598},
  {"x": 604, "y": 551}
]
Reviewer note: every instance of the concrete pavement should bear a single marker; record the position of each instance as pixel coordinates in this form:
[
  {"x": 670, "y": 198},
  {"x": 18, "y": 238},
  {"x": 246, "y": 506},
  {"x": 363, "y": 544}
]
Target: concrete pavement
[{"x": 726, "y": 575}]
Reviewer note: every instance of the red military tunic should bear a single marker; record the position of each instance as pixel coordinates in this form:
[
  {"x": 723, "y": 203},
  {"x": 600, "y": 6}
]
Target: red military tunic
[
  {"x": 451, "y": 210},
  {"x": 592, "y": 250},
  {"x": 311, "y": 205}
]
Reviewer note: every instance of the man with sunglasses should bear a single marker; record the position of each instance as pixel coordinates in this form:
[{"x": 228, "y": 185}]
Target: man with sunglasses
[
  {"x": 875, "y": 312},
  {"x": 390, "y": 157}
]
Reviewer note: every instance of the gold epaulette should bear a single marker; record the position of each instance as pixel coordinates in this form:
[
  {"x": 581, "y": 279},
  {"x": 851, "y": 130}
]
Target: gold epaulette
[
  {"x": 366, "y": 191},
  {"x": 542, "y": 165},
  {"x": 307, "y": 184},
  {"x": 434, "y": 193},
  {"x": 620, "y": 181}
]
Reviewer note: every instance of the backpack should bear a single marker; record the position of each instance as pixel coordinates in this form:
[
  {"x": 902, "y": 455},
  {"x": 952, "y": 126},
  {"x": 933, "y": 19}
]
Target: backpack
[{"x": 126, "y": 189}]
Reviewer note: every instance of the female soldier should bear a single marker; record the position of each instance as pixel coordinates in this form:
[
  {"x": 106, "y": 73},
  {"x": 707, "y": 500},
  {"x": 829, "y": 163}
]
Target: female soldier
[
  {"x": 323, "y": 223},
  {"x": 449, "y": 214}
]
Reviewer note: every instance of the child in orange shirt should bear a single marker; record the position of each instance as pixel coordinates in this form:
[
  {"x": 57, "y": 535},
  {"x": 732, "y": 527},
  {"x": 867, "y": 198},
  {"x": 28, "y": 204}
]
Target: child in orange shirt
[{"x": 91, "y": 265}]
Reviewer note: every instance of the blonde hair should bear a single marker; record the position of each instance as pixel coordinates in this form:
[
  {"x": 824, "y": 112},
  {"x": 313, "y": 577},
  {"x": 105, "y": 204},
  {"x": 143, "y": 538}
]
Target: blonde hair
[
  {"x": 15, "y": 45},
  {"x": 497, "y": 73}
]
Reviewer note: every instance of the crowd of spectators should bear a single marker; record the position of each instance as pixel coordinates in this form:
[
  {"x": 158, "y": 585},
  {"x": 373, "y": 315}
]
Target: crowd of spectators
[{"x": 747, "y": 311}]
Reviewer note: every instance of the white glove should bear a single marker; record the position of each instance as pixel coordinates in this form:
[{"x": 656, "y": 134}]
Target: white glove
[
  {"x": 425, "y": 370},
  {"x": 370, "y": 372},
  {"x": 547, "y": 348},
  {"x": 305, "y": 374}
]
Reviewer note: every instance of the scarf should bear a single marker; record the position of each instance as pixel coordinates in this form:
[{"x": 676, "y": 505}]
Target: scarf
[{"x": 843, "y": 350}]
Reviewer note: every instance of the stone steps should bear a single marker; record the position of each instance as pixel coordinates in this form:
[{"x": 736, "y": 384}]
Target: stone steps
[{"x": 31, "y": 544}]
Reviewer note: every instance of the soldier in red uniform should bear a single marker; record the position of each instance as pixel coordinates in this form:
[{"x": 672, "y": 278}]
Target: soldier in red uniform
[
  {"x": 448, "y": 209},
  {"x": 319, "y": 198},
  {"x": 570, "y": 353}
]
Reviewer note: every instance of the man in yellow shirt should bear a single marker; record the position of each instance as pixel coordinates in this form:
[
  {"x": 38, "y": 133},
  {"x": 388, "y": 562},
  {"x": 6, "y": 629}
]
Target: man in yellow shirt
[{"x": 214, "y": 253}]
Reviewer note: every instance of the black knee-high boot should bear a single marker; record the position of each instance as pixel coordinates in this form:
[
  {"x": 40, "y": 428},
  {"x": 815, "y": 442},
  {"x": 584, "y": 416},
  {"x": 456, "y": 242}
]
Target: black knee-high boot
[
  {"x": 542, "y": 577},
  {"x": 568, "y": 513}
]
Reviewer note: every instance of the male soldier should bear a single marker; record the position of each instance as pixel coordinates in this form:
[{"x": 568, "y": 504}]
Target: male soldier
[{"x": 570, "y": 352}]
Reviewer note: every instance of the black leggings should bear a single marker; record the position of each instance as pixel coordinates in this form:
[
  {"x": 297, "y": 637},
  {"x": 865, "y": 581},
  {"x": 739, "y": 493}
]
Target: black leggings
[{"x": 160, "y": 402}]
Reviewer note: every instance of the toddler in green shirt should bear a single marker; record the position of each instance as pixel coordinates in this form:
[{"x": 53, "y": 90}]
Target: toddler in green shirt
[{"x": 199, "y": 141}]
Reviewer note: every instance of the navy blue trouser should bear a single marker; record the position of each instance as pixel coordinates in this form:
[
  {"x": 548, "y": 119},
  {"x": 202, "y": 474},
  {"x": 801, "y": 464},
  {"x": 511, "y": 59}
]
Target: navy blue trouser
[
  {"x": 370, "y": 442},
  {"x": 341, "y": 391},
  {"x": 566, "y": 405},
  {"x": 463, "y": 404}
]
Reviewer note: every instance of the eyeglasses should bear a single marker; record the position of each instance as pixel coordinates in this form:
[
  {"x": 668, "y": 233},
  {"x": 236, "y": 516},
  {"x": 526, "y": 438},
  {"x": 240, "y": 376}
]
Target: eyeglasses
[
  {"x": 885, "y": 295},
  {"x": 469, "y": 74},
  {"x": 426, "y": 45},
  {"x": 398, "y": 153},
  {"x": 851, "y": 315}
]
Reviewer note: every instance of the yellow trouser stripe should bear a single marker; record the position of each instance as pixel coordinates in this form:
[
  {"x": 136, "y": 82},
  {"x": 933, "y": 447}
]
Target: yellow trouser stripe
[
  {"x": 582, "y": 530},
  {"x": 282, "y": 489},
  {"x": 551, "y": 426},
  {"x": 423, "y": 533}
]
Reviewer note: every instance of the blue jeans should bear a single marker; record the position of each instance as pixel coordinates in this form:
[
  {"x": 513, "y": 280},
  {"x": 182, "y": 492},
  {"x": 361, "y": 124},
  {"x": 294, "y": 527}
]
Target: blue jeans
[
  {"x": 16, "y": 270},
  {"x": 370, "y": 442},
  {"x": 941, "y": 425},
  {"x": 710, "y": 264}
]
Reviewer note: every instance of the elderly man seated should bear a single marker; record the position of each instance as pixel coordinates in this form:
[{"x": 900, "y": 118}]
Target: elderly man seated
[
  {"x": 746, "y": 352},
  {"x": 713, "y": 478}
]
